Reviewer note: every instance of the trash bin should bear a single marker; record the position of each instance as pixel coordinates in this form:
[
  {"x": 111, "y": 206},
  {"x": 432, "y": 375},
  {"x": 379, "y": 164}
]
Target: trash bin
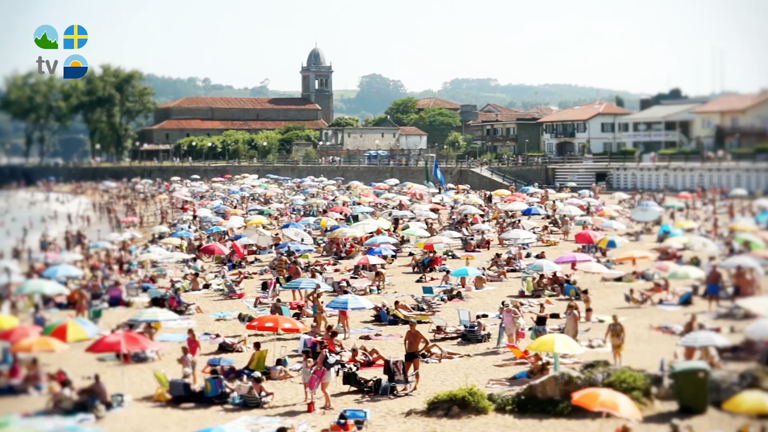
[{"x": 691, "y": 379}]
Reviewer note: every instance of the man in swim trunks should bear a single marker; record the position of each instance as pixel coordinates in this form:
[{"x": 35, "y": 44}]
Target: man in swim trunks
[
  {"x": 412, "y": 343},
  {"x": 714, "y": 284}
]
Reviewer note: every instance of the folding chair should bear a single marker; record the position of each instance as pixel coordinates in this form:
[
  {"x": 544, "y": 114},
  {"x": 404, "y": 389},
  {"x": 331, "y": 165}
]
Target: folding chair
[
  {"x": 442, "y": 329},
  {"x": 465, "y": 318},
  {"x": 428, "y": 291},
  {"x": 285, "y": 311}
]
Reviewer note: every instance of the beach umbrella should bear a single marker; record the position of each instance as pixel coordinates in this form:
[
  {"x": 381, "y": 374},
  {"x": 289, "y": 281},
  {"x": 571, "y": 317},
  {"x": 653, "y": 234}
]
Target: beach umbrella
[
  {"x": 101, "y": 245},
  {"x": 62, "y": 271},
  {"x": 72, "y": 330},
  {"x": 665, "y": 266},
  {"x": 611, "y": 242},
  {"x": 677, "y": 205},
  {"x": 586, "y": 237},
  {"x": 481, "y": 227},
  {"x": 573, "y": 257},
  {"x": 592, "y": 267},
  {"x": 19, "y": 332},
  {"x": 214, "y": 249},
  {"x": 345, "y": 232},
  {"x": 469, "y": 210},
  {"x": 182, "y": 233},
  {"x": 130, "y": 220},
  {"x": 583, "y": 220},
  {"x": 534, "y": 211},
  {"x": 519, "y": 236},
  {"x": 349, "y": 302},
  {"x": 42, "y": 287},
  {"x": 743, "y": 226},
  {"x": 292, "y": 225},
  {"x": 366, "y": 226},
  {"x": 555, "y": 343},
  {"x": 307, "y": 284},
  {"x": 160, "y": 229},
  {"x": 544, "y": 266},
  {"x": 416, "y": 232},
  {"x": 744, "y": 261},
  {"x": 738, "y": 193},
  {"x": 609, "y": 213},
  {"x": 298, "y": 235},
  {"x": 380, "y": 250},
  {"x": 569, "y": 210},
  {"x": 38, "y": 344},
  {"x": 749, "y": 402},
  {"x": 758, "y": 305},
  {"x": 752, "y": 241},
  {"x": 515, "y": 206},
  {"x": 686, "y": 272},
  {"x": 8, "y": 321},
  {"x": 634, "y": 255},
  {"x": 122, "y": 342},
  {"x": 276, "y": 324},
  {"x": 502, "y": 192},
  {"x": 612, "y": 225},
  {"x": 757, "y": 331},
  {"x": 223, "y": 428},
  {"x": 378, "y": 240},
  {"x": 466, "y": 272},
  {"x": 704, "y": 339},
  {"x": 700, "y": 244},
  {"x": 175, "y": 241},
  {"x": 299, "y": 248},
  {"x": 368, "y": 260},
  {"x": 606, "y": 400},
  {"x": 153, "y": 314},
  {"x": 684, "y": 195},
  {"x": 620, "y": 196},
  {"x": 686, "y": 225},
  {"x": 640, "y": 214}
]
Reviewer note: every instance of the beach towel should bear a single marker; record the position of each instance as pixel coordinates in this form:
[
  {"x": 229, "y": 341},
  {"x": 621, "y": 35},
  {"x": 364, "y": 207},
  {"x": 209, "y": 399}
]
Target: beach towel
[
  {"x": 669, "y": 308},
  {"x": 180, "y": 337},
  {"x": 381, "y": 337},
  {"x": 181, "y": 323},
  {"x": 316, "y": 379},
  {"x": 223, "y": 316},
  {"x": 362, "y": 330}
]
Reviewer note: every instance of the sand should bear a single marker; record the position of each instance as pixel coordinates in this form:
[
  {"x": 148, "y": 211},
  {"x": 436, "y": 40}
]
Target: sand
[{"x": 644, "y": 349}]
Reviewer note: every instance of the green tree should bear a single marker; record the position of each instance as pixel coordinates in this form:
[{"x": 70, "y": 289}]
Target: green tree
[
  {"x": 620, "y": 101},
  {"x": 455, "y": 141},
  {"x": 438, "y": 123},
  {"x": 19, "y": 103},
  {"x": 377, "y": 121},
  {"x": 344, "y": 121},
  {"x": 402, "y": 111},
  {"x": 377, "y": 92},
  {"x": 272, "y": 138},
  {"x": 295, "y": 132}
]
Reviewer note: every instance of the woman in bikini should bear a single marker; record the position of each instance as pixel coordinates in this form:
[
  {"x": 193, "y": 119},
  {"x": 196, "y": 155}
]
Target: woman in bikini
[{"x": 616, "y": 332}]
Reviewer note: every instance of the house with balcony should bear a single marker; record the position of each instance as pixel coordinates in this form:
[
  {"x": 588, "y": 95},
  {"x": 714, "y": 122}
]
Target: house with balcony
[
  {"x": 593, "y": 125},
  {"x": 732, "y": 121},
  {"x": 517, "y": 133},
  {"x": 658, "y": 127}
]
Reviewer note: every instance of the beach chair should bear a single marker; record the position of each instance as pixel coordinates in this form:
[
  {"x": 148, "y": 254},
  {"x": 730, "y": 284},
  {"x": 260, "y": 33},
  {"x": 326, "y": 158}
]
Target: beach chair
[
  {"x": 162, "y": 379},
  {"x": 465, "y": 318},
  {"x": 404, "y": 320},
  {"x": 259, "y": 363},
  {"x": 213, "y": 390},
  {"x": 428, "y": 291},
  {"x": 518, "y": 353},
  {"x": 442, "y": 329},
  {"x": 94, "y": 314},
  {"x": 357, "y": 415},
  {"x": 472, "y": 334},
  {"x": 571, "y": 291},
  {"x": 132, "y": 290},
  {"x": 285, "y": 311},
  {"x": 232, "y": 292}
]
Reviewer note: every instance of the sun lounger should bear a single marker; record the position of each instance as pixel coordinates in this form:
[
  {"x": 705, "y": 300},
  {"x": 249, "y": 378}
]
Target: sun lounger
[
  {"x": 404, "y": 319},
  {"x": 162, "y": 379},
  {"x": 442, "y": 329}
]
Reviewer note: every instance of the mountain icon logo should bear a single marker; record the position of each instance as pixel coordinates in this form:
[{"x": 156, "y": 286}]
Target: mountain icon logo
[{"x": 46, "y": 37}]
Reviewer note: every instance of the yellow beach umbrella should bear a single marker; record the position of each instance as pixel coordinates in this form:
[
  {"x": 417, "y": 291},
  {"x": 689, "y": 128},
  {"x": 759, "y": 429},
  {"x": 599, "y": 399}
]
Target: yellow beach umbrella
[
  {"x": 750, "y": 402},
  {"x": 384, "y": 224},
  {"x": 687, "y": 225},
  {"x": 326, "y": 222},
  {"x": 342, "y": 198},
  {"x": 502, "y": 192},
  {"x": 345, "y": 233},
  {"x": 171, "y": 241},
  {"x": 36, "y": 344},
  {"x": 742, "y": 226},
  {"x": 257, "y": 220},
  {"x": 555, "y": 343},
  {"x": 8, "y": 322}
]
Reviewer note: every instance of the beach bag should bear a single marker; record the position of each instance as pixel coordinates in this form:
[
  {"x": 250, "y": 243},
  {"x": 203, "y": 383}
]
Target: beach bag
[
  {"x": 316, "y": 379},
  {"x": 330, "y": 360},
  {"x": 311, "y": 406},
  {"x": 520, "y": 334}
]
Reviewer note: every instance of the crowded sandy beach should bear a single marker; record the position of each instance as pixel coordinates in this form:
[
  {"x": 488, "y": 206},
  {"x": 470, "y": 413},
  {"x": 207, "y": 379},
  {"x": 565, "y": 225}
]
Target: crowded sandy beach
[{"x": 276, "y": 304}]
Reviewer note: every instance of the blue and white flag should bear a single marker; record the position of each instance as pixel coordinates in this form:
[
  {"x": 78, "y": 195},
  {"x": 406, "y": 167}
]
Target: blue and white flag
[{"x": 436, "y": 173}]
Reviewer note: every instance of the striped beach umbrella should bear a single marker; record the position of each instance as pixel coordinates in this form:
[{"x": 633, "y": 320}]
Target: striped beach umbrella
[
  {"x": 307, "y": 284},
  {"x": 612, "y": 242},
  {"x": 72, "y": 330},
  {"x": 37, "y": 344},
  {"x": 350, "y": 302},
  {"x": 466, "y": 272}
]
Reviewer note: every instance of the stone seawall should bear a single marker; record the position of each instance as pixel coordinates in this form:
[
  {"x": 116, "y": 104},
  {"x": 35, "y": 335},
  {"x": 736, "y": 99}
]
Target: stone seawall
[{"x": 365, "y": 174}]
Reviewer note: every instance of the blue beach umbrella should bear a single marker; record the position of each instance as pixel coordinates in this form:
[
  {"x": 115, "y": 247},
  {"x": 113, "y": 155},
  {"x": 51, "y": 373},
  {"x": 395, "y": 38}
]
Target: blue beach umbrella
[
  {"x": 380, "y": 251},
  {"x": 335, "y": 227},
  {"x": 215, "y": 229},
  {"x": 292, "y": 225},
  {"x": 223, "y": 428},
  {"x": 101, "y": 245},
  {"x": 466, "y": 272},
  {"x": 62, "y": 271},
  {"x": 381, "y": 240},
  {"x": 182, "y": 234},
  {"x": 349, "y": 302},
  {"x": 296, "y": 247},
  {"x": 307, "y": 284},
  {"x": 220, "y": 361},
  {"x": 534, "y": 211}
]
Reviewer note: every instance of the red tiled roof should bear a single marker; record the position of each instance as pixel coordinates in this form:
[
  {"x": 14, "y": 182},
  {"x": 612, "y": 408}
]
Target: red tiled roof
[
  {"x": 241, "y": 102},
  {"x": 436, "y": 103},
  {"x": 730, "y": 103},
  {"x": 541, "y": 111},
  {"x": 585, "y": 112},
  {"x": 235, "y": 124},
  {"x": 411, "y": 130},
  {"x": 499, "y": 108},
  {"x": 484, "y": 117}
]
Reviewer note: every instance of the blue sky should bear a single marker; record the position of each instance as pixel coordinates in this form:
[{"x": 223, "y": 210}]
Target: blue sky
[
  {"x": 50, "y": 32},
  {"x": 637, "y": 45}
]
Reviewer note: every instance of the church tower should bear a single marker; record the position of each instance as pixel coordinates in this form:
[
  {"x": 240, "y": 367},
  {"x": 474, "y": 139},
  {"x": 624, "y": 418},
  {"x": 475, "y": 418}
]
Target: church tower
[{"x": 317, "y": 83}]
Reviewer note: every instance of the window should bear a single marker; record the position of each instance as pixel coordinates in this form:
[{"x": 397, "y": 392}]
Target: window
[
  {"x": 209, "y": 134},
  {"x": 167, "y": 136},
  {"x": 394, "y": 134},
  {"x": 623, "y": 127},
  {"x": 606, "y": 127},
  {"x": 508, "y": 132},
  {"x": 608, "y": 146},
  {"x": 581, "y": 127},
  {"x": 550, "y": 147},
  {"x": 734, "y": 122},
  {"x": 488, "y": 132},
  {"x": 620, "y": 145},
  {"x": 706, "y": 123},
  {"x": 187, "y": 135}
]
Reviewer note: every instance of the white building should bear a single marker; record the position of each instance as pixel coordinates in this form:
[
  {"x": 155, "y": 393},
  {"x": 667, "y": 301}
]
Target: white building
[
  {"x": 658, "y": 127},
  {"x": 594, "y": 125},
  {"x": 377, "y": 138}
]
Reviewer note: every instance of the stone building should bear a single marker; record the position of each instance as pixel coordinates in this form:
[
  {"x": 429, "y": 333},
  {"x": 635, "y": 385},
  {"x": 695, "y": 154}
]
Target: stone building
[{"x": 208, "y": 116}]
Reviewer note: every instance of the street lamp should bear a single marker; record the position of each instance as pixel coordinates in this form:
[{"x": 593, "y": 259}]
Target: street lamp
[{"x": 98, "y": 147}]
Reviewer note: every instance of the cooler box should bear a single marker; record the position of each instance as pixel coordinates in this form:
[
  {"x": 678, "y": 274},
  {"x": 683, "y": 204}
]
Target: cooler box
[{"x": 691, "y": 380}]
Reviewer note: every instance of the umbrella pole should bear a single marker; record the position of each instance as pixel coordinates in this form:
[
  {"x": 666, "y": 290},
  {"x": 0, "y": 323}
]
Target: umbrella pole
[{"x": 556, "y": 358}]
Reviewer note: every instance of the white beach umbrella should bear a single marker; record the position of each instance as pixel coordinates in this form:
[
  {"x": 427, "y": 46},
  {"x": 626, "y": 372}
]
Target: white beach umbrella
[
  {"x": 703, "y": 339},
  {"x": 298, "y": 235},
  {"x": 570, "y": 210},
  {"x": 757, "y": 331}
]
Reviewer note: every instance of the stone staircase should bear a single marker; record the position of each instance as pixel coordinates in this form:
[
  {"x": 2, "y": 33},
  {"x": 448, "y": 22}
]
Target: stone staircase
[
  {"x": 583, "y": 175},
  {"x": 503, "y": 181}
]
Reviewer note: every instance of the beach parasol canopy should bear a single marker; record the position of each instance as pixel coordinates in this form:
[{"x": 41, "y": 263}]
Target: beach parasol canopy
[
  {"x": 757, "y": 331},
  {"x": 276, "y": 324},
  {"x": 613, "y": 225},
  {"x": 738, "y": 193},
  {"x": 215, "y": 249},
  {"x": 758, "y": 305},
  {"x": 298, "y": 235},
  {"x": 160, "y": 229},
  {"x": 519, "y": 236},
  {"x": 37, "y": 344},
  {"x": 223, "y": 428},
  {"x": 350, "y": 302},
  {"x": 72, "y": 330},
  {"x": 749, "y": 402},
  {"x": 644, "y": 214},
  {"x": 534, "y": 211},
  {"x": 586, "y": 237},
  {"x": 368, "y": 260},
  {"x": 307, "y": 284},
  {"x": 378, "y": 240},
  {"x": 592, "y": 267},
  {"x": 466, "y": 272},
  {"x": 634, "y": 255},
  {"x": 569, "y": 210},
  {"x": 381, "y": 250},
  {"x": 555, "y": 343},
  {"x": 8, "y": 322},
  {"x": 153, "y": 314},
  {"x": 605, "y": 400},
  {"x": 612, "y": 242},
  {"x": 686, "y": 272},
  {"x": 573, "y": 257},
  {"x": 544, "y": 266},
  {"x": 21, "y": 332},
  {"x": 704, "y": 339},
  {"x": 62, "y": 271},
  {"x": 42, "y": 287},
  {"x": 416, "y": 232},
  {"x": 122, "y": 342}
]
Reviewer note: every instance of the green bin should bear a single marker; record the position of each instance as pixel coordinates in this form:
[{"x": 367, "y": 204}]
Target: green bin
[{"x": 691, "y": 380}]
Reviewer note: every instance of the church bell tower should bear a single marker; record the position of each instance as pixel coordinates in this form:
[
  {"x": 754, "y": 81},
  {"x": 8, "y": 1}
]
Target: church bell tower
[{"x": 317, "y": 83}]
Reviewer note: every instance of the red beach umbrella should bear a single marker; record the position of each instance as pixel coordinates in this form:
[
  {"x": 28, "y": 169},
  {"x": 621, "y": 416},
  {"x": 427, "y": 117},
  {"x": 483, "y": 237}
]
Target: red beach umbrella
[
  {"x": 276, "y": 323},
  {"x": 122, "y": 342},
  {"x": 21, "y": 332},
  {"x": 214, "y": 249},
  {"x": 586, "y": 237}
]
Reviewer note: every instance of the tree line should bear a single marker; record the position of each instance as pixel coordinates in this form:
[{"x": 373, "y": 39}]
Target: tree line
[{"x": 111, "y": 103}]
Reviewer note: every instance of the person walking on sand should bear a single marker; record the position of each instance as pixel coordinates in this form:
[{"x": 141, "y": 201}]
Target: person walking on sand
[
  {"x": 193, "y": 344},
  {"x": 714, "y": 284},
  {"x": 412, "y": 344},
  {"x": 317, "y": 307},
  {"x": 616, "y": 332}
]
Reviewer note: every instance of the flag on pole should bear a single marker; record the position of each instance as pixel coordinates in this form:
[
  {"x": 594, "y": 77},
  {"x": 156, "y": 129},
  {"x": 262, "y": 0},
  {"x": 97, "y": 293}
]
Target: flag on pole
[{"x": 436, "y": 173}]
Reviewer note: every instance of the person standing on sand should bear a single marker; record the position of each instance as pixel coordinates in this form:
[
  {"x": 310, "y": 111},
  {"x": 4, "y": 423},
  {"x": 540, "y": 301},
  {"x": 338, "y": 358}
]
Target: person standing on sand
[
  {"x": 714, "y": 284},
  {"x": 412, "y": 344},
  {"x": 194, "y": 348},
  {"x": 617, "y": 335}
]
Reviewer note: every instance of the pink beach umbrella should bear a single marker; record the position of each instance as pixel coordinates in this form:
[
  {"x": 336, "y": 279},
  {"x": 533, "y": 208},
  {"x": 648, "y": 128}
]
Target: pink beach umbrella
[{"x": 573, "y": 257}]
